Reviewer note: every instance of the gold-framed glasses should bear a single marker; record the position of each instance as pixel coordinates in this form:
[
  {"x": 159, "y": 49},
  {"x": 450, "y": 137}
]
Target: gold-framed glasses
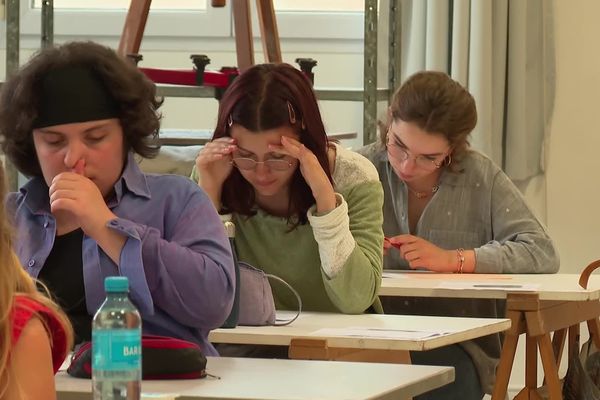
[
  {"x": 422, "y": 161},
  {"x": 274, "y": 164}
]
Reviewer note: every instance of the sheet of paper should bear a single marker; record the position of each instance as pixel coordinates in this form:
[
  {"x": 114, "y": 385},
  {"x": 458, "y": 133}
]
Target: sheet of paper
[
  {"x": 159, "y": 396},
  {"x": 405, "y": 273},
  {"x": 429, "y": 275},
  {"x": 486, "y": 285},
  {"x": 381, "y": 333}
]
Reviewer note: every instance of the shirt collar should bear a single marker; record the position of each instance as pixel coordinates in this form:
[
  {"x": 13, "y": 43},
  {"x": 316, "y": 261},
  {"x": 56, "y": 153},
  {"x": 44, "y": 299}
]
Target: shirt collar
[
  {"x": 36, "y": 197},
  {"x": 132, "y": 180}
]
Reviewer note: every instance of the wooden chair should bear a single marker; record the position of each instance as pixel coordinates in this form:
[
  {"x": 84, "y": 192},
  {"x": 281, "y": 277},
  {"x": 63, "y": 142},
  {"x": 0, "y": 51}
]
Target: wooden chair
[{"x": 137, "y": 15}]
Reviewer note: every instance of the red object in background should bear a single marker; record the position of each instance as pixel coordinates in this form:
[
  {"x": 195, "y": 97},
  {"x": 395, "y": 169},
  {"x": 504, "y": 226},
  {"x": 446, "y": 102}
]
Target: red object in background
[{"x": 220, "y": 79}]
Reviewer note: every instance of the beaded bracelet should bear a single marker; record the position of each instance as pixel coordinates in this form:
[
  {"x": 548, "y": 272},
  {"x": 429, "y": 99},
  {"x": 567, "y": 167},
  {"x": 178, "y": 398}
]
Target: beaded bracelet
[{"x": 461, "y": 260}]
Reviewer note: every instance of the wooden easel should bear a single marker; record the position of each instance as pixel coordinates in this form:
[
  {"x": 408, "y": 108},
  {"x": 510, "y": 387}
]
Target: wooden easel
[{"x": 137, "y": 15}]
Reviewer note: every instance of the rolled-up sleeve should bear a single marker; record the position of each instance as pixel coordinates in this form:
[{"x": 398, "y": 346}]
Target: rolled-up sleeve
[{"x": 187, "y": 273}]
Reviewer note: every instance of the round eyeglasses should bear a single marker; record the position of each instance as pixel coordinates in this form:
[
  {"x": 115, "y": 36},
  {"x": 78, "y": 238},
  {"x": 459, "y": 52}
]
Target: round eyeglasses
[
  {"x": 424, "y": 162},
  {"x": 273, "y": 164}
]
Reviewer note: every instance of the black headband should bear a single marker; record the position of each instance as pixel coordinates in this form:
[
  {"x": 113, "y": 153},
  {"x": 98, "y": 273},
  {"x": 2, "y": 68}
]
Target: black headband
[{"x": 74, "y": 94}]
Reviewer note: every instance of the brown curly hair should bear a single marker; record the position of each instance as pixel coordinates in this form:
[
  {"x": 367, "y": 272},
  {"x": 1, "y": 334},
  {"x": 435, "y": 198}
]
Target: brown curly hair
[{"x": 134, "y": 94}]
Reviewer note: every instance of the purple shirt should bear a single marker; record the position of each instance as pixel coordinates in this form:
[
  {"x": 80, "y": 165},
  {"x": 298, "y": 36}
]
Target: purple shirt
[{"x": 177, "y": 256}]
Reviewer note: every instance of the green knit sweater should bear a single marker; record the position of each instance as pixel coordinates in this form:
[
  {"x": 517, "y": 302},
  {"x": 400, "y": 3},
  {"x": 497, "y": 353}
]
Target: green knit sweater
[{"x": 334, "y": 261}]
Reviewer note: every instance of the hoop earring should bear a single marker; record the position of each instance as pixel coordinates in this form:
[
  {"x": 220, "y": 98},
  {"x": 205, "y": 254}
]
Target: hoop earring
[
  {"x": 229, "y": 121},
  {"x": 291, "y": 113},
  {"x": 448, "y": 160}
]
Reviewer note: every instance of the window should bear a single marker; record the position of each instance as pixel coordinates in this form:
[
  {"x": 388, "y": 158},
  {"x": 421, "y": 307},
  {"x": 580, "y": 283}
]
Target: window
[
  {"x": 168, "y": 18},
  {"x": 123, "y": 5},
  {"x": 331, "y": 19},
  {"x": 320, "y": 5}
]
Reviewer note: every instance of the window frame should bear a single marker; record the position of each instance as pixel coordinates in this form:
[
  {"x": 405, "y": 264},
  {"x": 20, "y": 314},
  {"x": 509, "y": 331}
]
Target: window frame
[
  {"x": 214, "y": 23},
  {"x": 95, "y": 23}
]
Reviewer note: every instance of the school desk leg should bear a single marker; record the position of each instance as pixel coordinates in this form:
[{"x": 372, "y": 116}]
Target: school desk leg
[
  {"x": 529, "y": 392},
  {"x": 558, "y": 344},
  {"x": 550, "y": 369},
  {"x": 507, "y": 355}
]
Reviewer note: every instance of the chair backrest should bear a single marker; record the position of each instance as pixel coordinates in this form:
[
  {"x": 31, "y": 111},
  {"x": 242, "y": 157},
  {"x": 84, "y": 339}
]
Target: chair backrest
[{"x": 585, "y": 275}]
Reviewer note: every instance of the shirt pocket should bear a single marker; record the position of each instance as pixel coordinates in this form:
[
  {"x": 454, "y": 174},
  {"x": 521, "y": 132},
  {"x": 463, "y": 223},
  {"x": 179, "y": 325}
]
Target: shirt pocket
[{"x": 455, "y": 239}]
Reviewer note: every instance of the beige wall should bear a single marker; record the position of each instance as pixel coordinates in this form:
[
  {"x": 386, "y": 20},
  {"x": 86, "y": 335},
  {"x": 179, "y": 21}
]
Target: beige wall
[{"x": 573, "y": 187}]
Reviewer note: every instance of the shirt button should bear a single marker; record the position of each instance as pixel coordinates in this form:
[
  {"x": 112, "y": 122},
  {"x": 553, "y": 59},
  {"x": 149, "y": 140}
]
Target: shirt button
[
  {"x": 508, "y": 210},
  {"x": 31, "y": 263},
  {"x": 449, "y": 213}
]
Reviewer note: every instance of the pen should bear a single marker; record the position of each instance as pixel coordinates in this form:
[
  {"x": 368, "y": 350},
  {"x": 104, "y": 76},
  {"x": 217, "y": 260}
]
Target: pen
[{"x": 485, "y": 285}]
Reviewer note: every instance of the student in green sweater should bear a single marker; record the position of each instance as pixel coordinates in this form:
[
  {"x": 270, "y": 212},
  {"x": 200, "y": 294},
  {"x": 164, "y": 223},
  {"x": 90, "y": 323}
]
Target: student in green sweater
[{"x": 305, "y": 209}]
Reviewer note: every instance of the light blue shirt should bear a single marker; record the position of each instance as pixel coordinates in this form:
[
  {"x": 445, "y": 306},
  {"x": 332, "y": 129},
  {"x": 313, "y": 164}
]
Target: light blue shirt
[{"x": 177, "y": 256}]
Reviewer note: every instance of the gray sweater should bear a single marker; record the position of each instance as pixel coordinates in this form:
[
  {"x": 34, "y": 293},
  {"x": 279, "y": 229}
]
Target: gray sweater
[{"x": 476, "y": 208}]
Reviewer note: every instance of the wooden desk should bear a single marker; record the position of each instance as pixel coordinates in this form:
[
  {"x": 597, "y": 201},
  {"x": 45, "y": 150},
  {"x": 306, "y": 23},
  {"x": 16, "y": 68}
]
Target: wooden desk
[
  {"x": 260, "y": 379},
  {"x": 558, "y": 305},
  {"x": 306, "y": 343}
]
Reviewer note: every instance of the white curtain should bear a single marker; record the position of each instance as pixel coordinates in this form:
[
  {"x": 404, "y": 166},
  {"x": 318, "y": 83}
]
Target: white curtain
[{"x": 502, "y": 51}]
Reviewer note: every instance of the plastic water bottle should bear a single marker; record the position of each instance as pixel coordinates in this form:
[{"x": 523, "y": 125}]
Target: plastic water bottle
[{"x": 117, "y": 345}]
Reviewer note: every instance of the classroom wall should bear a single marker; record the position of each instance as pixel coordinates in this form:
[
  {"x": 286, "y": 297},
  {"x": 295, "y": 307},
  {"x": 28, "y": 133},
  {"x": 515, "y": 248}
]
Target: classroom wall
[
  {"x": 566, "y": 198},
  {"x": 574, "y": 153}
]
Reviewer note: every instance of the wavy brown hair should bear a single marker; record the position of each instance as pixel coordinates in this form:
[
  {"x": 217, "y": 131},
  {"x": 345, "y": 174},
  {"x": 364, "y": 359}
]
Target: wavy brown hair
[
  {"x": 134, "y": 94},
  {"x": 258, "y": 100},
  {"x": 16, "y": 282},
  {"x": 438, "y": 105}
]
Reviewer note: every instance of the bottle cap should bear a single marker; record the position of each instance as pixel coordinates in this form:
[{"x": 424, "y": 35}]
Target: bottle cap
[{"x": 116, "y": 284}]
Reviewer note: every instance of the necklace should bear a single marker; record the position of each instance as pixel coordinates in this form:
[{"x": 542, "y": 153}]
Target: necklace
[{"x": 425, "y": 193}]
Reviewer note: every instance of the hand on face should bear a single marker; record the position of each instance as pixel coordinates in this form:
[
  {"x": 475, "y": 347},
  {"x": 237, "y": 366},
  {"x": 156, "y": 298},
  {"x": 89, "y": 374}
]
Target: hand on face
[
  {"x": 214, "y": 162},
  {"x": 72, "y": 193},
  {"x": 423, "y": 254},
  {"x": 311, "y": 170}
]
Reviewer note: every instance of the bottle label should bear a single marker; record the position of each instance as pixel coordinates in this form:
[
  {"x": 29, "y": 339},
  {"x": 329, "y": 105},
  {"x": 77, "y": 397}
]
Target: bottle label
[{"x": 117, "y": 350}]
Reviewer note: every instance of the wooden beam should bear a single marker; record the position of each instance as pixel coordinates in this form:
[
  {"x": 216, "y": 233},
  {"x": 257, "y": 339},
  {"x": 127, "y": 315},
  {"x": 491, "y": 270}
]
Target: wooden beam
[
  {"x": 244, "y": 45},
  {"x": 133, "y": 30},
  {"x": 268, "y": 31}
]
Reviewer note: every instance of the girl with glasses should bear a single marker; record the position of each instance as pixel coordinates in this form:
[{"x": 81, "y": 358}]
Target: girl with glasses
[
  {"x": 449, "y": 209},
  {"x": 305, "y": 209}
]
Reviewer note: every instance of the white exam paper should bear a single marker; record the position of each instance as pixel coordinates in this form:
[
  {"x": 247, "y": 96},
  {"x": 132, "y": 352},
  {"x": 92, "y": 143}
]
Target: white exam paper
[
  {"x": 486, "y": 285},
  {"x": 381, "y": 333}
]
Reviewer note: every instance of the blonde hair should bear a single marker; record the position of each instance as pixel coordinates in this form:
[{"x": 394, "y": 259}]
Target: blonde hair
[{"x": 15, "y": 281}]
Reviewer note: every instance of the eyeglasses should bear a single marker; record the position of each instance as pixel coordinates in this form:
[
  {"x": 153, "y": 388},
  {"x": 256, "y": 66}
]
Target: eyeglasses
[
  {"x": 273, "y": 164},
  {"x": 421, "y": 161}
]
